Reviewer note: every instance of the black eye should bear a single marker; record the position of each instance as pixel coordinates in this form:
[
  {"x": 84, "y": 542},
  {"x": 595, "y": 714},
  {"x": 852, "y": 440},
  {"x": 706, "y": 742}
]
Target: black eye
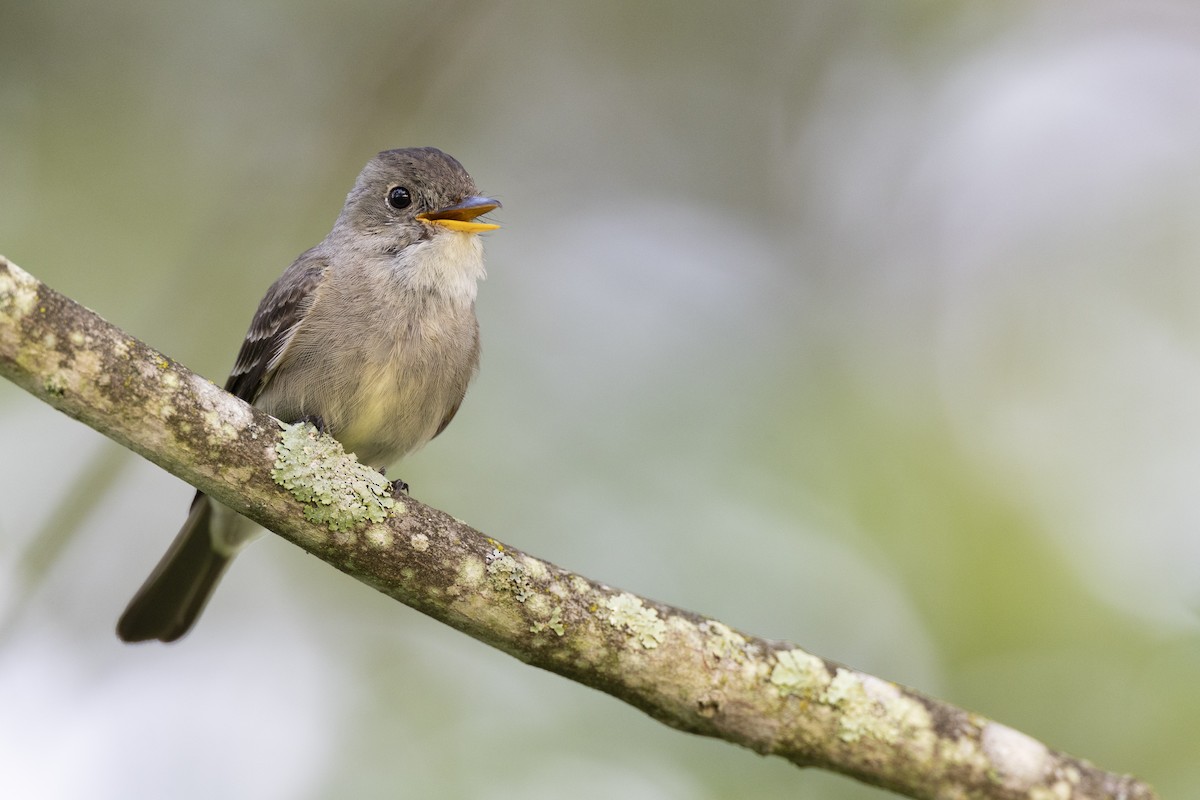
[{"x": 398, "y": 197}]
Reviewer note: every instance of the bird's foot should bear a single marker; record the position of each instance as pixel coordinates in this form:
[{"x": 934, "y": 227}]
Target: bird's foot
[
  {"x": 399, "y": 487},
  {"x": 314, "y": 420}
]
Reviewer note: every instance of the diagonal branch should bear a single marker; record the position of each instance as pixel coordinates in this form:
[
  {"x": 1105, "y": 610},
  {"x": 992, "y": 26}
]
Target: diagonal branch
[{"x": 687, "y": 671}]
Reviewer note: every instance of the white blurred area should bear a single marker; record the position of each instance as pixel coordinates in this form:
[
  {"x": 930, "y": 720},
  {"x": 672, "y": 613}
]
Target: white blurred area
[
  {"x": 1031, "y": 237},
  {"x": 1067, "y": 193},
  {"x": 867, "y": 325}
]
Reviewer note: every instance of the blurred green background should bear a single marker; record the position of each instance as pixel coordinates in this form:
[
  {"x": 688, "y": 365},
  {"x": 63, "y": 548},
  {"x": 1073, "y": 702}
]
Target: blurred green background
[{"x": 867, "y": 325}]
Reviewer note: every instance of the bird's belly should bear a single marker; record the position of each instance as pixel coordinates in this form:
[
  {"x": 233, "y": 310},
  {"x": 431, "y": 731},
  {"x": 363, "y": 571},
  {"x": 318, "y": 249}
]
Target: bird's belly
[
  {"x": 382, "y": 381},
  {"x": 379, "y": 406},
  {"x": 395, "y": 411}
]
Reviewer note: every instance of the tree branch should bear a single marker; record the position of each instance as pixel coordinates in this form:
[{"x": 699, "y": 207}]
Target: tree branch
[{"x": 687, "y": 671}]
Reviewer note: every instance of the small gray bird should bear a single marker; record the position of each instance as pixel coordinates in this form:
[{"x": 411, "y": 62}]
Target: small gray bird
[{"x": 371, "y": 335}]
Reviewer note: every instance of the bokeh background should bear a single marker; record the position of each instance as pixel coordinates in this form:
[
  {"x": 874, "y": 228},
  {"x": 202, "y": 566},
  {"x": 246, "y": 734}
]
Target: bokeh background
[{"x": 871, "y": 325}]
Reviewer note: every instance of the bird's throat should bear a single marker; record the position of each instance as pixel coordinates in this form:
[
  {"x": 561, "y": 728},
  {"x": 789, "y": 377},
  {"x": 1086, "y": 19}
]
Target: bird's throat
[{"x": 449, "y": 264}]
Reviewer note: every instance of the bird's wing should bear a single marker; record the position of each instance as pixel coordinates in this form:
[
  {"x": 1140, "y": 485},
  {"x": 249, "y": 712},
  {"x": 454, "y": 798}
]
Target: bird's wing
[
  {"x": 449, "y": 416},
  {"x": 474, "y": 360},
  {"x": 274, "y": 324}
]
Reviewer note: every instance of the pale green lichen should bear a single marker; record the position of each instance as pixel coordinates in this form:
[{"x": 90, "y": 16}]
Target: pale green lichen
[
  {"x": 506, "y": 574},
  {"x": 960, "y": 750},
  {"x": 214, "y": 423},
  {"x": 872, "y": 707},
  {"x": 724, "y": 643},
  {"x": 898, "y": 715},
  {"x": 800, "y": 673},
  {"x": 337, "y": 491},
  {"x": 555, "y": 623},
  {"x": 380, "y": 537},
  {"x": 628, "y": 613},
  {"x": 1059, "y": 790},
  {"x": 846, "y": 693},
  {"x": 18, "y": 289},
  {"x": 536, "y": 570},
  {"x": 470, "y": 573},
  {"x": 537, "y": 605}
]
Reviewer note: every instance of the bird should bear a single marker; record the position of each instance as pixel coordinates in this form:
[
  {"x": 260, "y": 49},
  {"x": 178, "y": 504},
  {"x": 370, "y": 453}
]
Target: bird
[{"x": 371, "y": 335}]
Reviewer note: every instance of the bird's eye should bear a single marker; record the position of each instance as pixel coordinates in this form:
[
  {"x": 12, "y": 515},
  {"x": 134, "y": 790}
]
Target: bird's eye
[{"x": 398, "y": 197}]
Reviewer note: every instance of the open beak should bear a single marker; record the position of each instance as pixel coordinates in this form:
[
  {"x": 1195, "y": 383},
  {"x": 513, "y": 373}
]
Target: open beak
[{"x": 460, "y": 216}]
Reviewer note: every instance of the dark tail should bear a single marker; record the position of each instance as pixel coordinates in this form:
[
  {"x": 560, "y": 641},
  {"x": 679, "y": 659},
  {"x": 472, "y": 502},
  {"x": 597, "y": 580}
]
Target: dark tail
[{"x": 171, "y": 599}]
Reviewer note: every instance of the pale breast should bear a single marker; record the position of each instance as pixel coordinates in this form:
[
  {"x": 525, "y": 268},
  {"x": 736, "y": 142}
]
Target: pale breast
[{"x": 383, "y": 381}]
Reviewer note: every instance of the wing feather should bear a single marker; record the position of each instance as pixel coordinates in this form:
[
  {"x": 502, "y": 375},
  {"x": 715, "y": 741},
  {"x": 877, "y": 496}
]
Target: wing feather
[
  {"x": 474, "y": 361},
  {"x": 274, "y": 325}
]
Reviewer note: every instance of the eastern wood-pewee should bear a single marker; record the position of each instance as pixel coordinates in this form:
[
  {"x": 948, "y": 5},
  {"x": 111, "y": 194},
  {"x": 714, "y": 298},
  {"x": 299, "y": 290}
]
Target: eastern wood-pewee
[{"x": 371, "y": 334}]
